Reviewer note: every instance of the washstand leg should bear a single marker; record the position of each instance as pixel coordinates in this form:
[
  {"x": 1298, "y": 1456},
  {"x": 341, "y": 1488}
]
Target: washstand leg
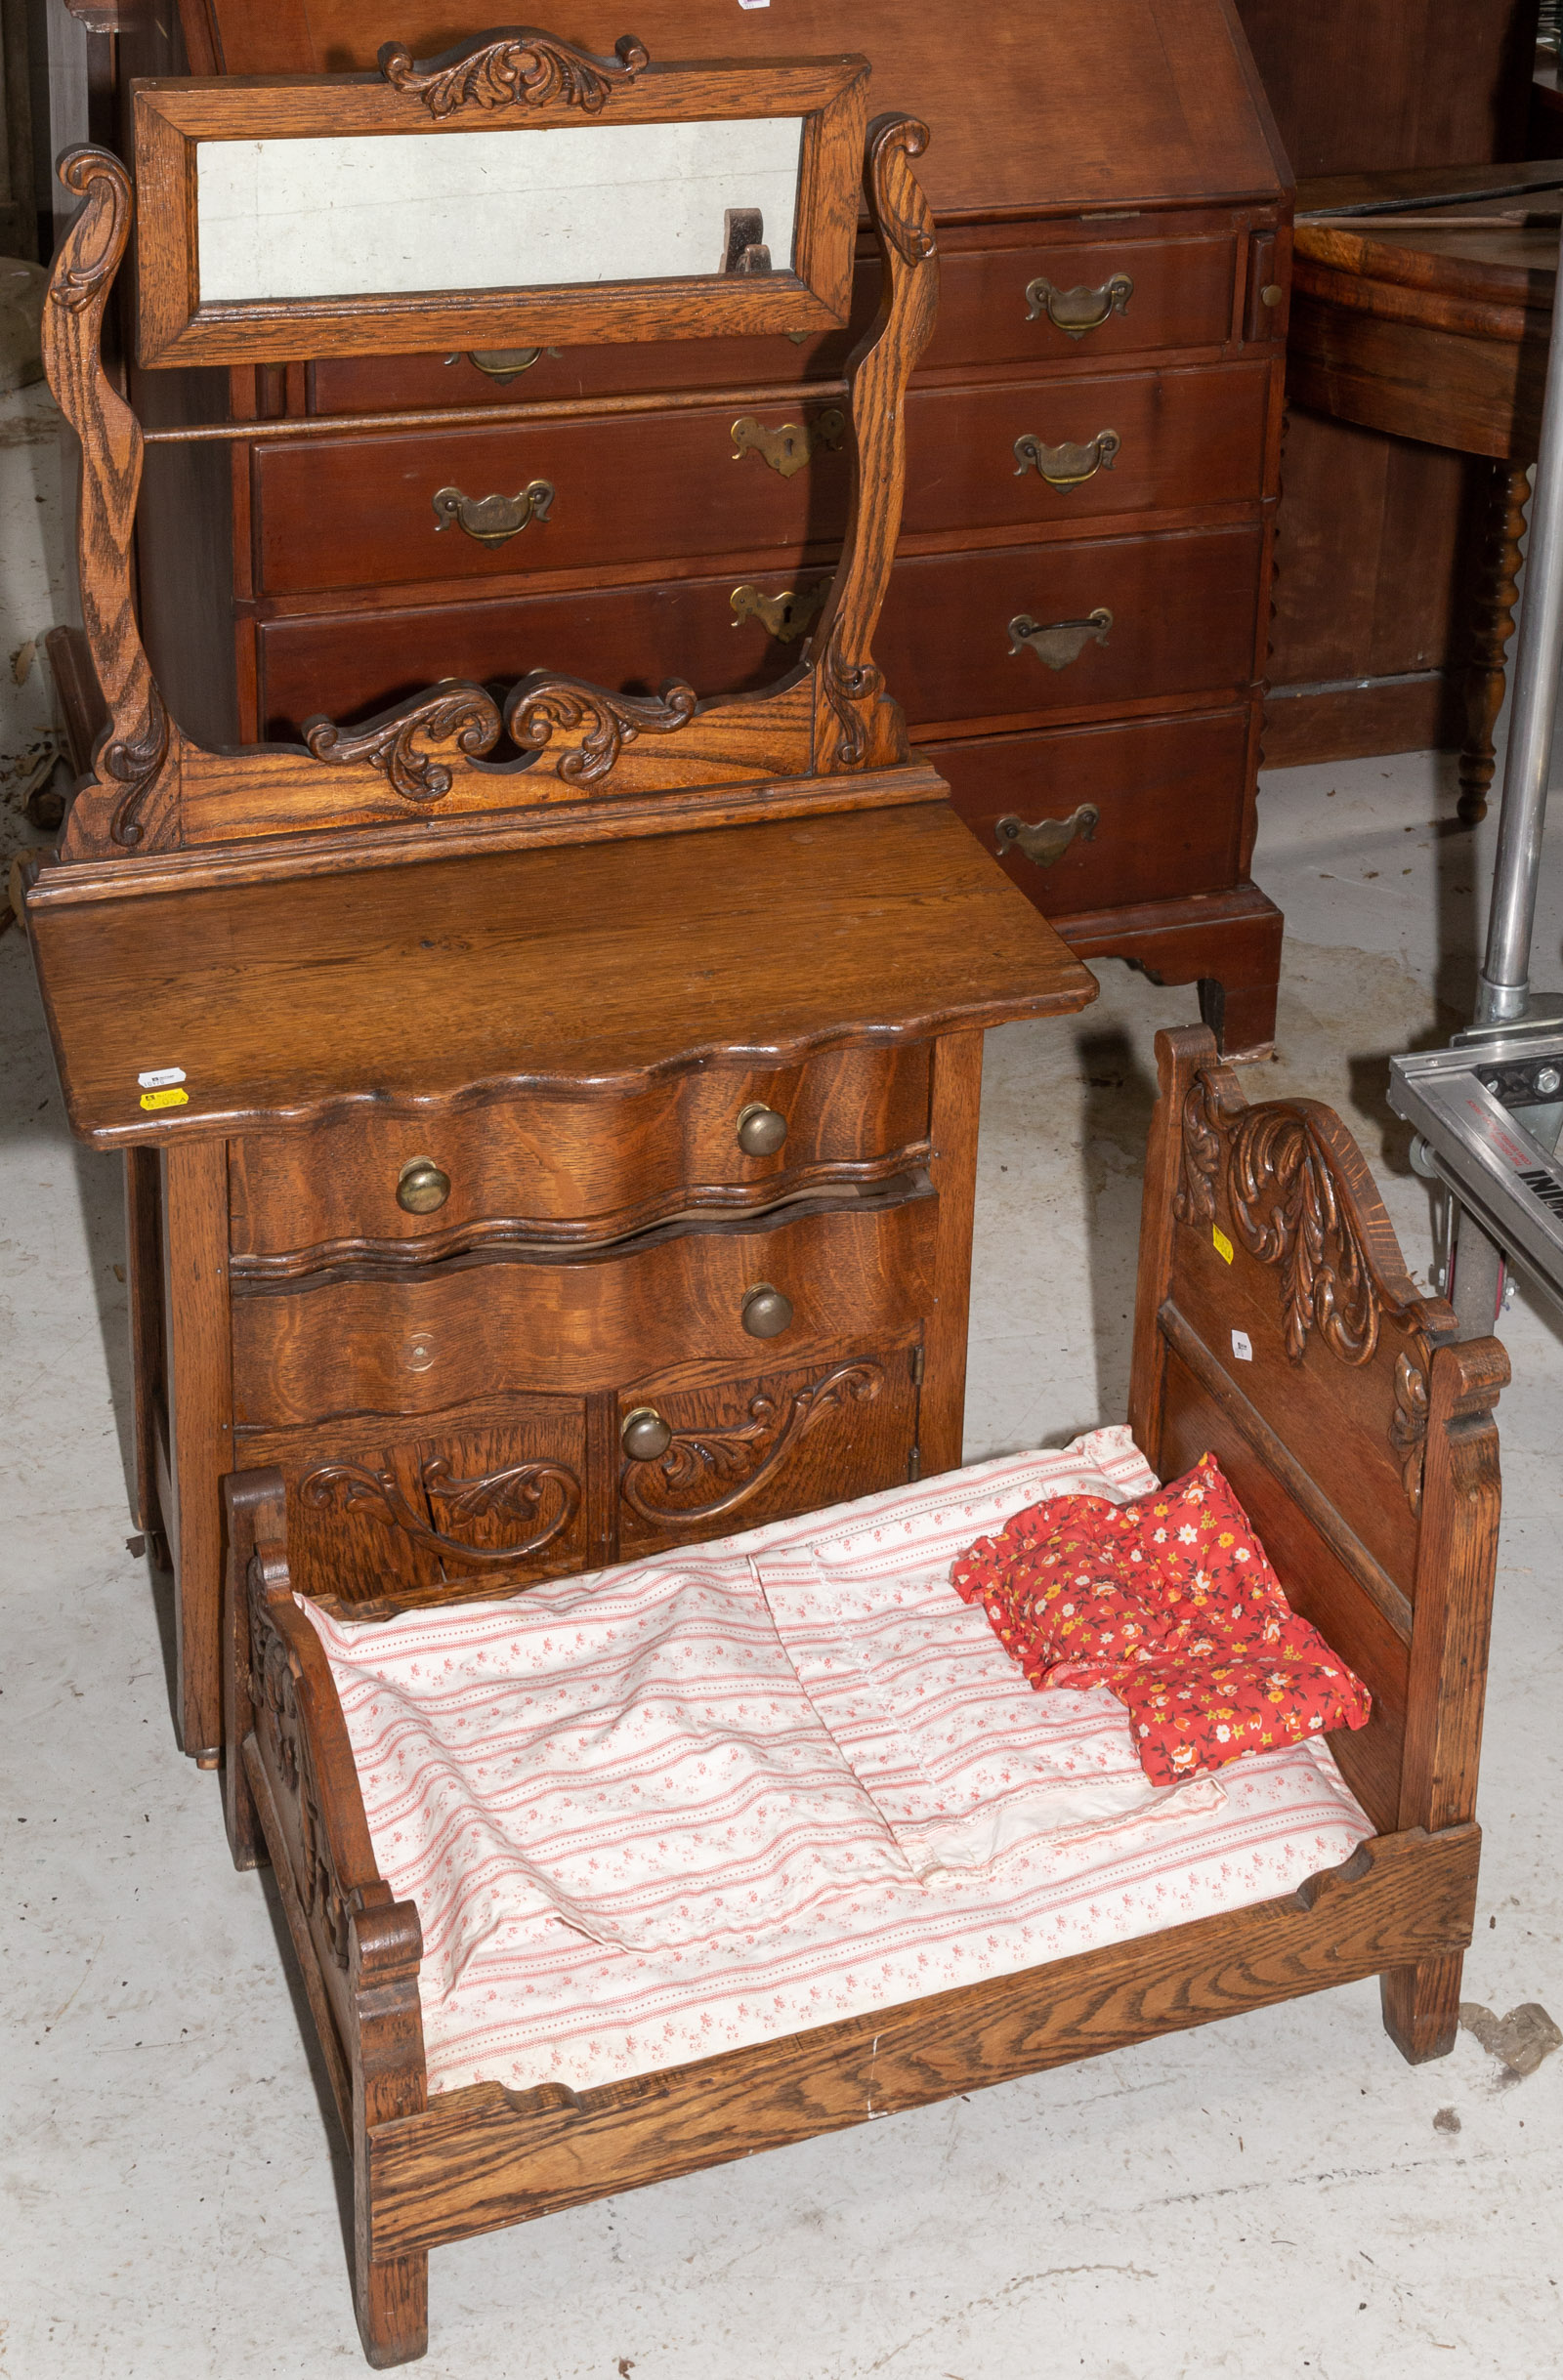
[{"x": 392, "y": 2302}]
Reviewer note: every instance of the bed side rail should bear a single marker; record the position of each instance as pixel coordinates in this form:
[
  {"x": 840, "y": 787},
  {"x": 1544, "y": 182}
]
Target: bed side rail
[
  {"x": 1277, "y": 1325},
  {"x": 292, "y": 1790}
]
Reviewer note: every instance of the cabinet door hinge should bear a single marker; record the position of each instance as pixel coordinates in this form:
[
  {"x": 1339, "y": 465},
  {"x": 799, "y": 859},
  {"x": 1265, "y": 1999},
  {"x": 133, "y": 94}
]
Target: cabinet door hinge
[{"x": 916, "y": 1366}]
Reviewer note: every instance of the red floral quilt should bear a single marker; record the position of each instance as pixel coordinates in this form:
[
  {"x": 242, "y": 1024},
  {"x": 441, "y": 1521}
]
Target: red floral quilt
[{"x": 1170, "y": 1602}]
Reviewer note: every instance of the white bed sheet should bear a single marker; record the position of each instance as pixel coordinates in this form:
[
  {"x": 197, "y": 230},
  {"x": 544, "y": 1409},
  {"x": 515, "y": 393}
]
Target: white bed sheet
[{"x": 758, "y": 1786}]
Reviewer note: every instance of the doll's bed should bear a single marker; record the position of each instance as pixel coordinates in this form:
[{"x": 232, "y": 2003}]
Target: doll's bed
[{"x": 1274, "y": 1325}]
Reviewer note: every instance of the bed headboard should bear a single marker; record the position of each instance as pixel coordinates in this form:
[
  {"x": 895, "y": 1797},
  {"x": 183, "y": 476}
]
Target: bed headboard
[{"x": 1276, "y": 1325}]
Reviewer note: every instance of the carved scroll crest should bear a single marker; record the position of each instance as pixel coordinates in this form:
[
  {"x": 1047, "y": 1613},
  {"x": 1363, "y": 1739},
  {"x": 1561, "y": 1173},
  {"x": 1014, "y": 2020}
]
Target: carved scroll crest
[
  {"x": 516, "y": 1492},
  {"x": 518, "y": 67},
  {"x": 453, "y": 713},
  {"x": 738, "y": 1461},
  {"x": 539, "y": 704},
  {"x": 904, "y": 214}
]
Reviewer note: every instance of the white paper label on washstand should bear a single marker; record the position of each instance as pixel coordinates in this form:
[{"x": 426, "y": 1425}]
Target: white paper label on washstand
[{"x": 1243, "y": 1347}]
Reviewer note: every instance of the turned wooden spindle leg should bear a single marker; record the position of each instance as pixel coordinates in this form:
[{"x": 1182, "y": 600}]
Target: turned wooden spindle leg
[{"x": 1493, "y": 628}]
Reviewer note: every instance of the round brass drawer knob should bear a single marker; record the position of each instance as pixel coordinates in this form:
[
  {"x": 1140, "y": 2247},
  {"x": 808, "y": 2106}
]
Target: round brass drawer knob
[
  {"x": 421, "y": 1187},
  {"x": 1271, "y": 294},
  {"x": 761, "y": 1131},
  {"x": 645, "y": 1434},
  {"x": 765, "y": 1312}
]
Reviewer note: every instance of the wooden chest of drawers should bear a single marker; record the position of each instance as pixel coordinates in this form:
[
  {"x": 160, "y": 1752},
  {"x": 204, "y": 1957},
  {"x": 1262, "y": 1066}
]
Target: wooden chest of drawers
[{"x": 1113, "y": 238}]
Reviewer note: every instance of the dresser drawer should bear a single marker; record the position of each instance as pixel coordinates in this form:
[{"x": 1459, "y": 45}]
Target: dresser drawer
[
  {"x": 1169, "y": 825},
  {"x": 376, "y": 1506},
  {"x": 1048, "y": 451},
  {"x": 1182, "y": 620},
  {"x": 792, "y": 1438},
  {"x": 571, "y": 1170},
  {"x": 623, "y": 489},
  {"x": 415, "y": 1343},
  {"x": 1179, "y": 294},
  {"x": 628, "y": 490},
  {"x": 1184, "y": 609}
]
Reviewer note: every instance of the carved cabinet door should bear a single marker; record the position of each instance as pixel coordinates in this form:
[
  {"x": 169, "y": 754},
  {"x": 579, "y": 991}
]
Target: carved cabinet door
[
  {"x": 378, "y": 1504},
  {"x": 700, "y": 1458}
]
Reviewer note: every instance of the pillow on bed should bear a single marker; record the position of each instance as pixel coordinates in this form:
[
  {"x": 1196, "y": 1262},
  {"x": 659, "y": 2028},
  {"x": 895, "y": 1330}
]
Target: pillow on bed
[{"x": 1170, "y": 1602}]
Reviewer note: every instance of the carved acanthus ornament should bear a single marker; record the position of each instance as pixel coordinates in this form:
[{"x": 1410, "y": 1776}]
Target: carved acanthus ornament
[
  {"x": 516, "y": 1491},
  {"x": 454, "y": 713},
  {"x": 1407, "y": 1431},
  {"x": 134, "y": 762},
  {"x": 520, "y": 67},
  {"x": 1287, "y": 1211},
  {"x": 738, "y": 1461},
  {"x": 539, "y": 704}
]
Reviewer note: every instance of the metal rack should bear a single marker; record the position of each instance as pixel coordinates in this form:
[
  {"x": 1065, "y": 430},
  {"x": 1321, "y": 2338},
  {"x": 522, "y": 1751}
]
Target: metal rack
[{"x": 1489, "y": 1110}]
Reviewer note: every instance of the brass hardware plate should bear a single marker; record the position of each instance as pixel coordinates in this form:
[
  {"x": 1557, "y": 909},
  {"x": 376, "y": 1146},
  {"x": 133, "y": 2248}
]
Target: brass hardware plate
[
  {"x": 1059, "y": 642},
  {"x": 789, "y": 448},
  {"x": 761, "y": 1129},
  {"x": 421, "y": 1187},
  {"x": 1050, "y": 838},
  {"x": 1076, "y": 310},
  {"x": 1068, "y": 465},
  {"x": 493, "y": 519},
  {"x": 783, "y": 616},
  {"x": 503, "y": 363},
  {"x": 765, "y": 1313}
]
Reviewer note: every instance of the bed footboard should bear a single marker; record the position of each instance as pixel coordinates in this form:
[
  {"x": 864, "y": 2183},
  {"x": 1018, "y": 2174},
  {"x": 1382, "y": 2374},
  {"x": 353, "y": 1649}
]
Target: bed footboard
[
  {"x": 291, "y": 1786},
  {"x": 1277, "y": 1326}
]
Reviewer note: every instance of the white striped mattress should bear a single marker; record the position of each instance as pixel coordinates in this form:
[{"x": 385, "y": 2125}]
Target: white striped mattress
[{"x": 757, "y": 1785}]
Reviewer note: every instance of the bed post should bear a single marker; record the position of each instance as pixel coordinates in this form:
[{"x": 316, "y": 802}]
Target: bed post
[
  {"x": 1456, "y": 1556},
  {"x": 255, "y": 1510},
  {"x": 390, "y": 2294},
  {"x": 1179, "y": 1055}
]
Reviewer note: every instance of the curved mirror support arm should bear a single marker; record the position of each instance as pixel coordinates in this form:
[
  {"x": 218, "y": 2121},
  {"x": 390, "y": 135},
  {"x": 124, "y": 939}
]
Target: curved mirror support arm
[{"x": 130, "y": 803}]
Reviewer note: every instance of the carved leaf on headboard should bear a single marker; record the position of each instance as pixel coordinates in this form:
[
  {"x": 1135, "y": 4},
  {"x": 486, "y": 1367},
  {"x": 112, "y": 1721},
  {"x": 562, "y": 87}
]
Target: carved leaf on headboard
[
  {"x": 520, "y": 67},
  {"x": 1407, "y": 1431}
]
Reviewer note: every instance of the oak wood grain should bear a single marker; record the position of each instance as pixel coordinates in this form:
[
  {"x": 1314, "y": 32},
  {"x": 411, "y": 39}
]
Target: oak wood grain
[{"x": 415, "y": 988}]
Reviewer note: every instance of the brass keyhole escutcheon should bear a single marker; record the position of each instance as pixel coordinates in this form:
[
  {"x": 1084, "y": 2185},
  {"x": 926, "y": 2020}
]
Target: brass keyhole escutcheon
[
  {"x": 645, "y": 1434},
  {"x": 761, "y": 1131},
  {"x": 421, "y": 1187},
  {"x": 765, "y": 1313}
]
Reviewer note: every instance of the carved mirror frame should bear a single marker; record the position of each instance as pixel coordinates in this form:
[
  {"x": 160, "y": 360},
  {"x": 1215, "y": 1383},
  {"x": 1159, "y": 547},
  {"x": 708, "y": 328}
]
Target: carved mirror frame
[{"x": 518, "y": 80}]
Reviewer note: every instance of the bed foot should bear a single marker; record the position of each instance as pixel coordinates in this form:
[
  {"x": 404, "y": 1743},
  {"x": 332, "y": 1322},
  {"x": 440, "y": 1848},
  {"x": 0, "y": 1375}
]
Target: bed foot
[
  {"x": 391, "y": 2301},
  {"x": 1421, "y": 2008}
]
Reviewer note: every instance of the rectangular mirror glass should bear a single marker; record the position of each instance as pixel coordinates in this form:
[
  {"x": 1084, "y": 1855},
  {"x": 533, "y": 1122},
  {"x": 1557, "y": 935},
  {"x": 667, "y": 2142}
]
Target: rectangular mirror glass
[{"x": 527, "y": 207}]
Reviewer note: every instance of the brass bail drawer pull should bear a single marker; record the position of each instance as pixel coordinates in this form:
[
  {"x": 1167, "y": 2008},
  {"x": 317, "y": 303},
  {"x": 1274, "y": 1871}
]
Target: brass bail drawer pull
[
  {"x": 783, "y": 616},
  {"x": 1068, "y": 465},
  {"x": 1076, "y": 310},
  {"x": 789, "y": 448},
  {"x": 765, "y": 1313},
  {"x": 645, "y": 1434},
  {"x": 421, "y": 1187},
  {"x": 1059, "y": 642},
  {"x": 491, "y": 520},
  {"x": 1050, "y": 838}
]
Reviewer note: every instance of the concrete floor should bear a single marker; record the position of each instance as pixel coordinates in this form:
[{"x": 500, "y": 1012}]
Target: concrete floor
[{"x": 1278, "y": 2194}]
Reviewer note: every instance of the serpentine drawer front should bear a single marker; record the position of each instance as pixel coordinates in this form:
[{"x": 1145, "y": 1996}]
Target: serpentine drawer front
[
  {"x": 573, "y": 1169},
  {"x": 417, "y": 1341},
  {"x": 1184, "y": 609}
]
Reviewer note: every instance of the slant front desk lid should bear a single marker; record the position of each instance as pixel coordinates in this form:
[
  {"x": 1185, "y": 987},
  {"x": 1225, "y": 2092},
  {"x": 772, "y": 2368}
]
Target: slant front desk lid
[
  {"x": 1148, "y": 95},
  {"x": 224, "y": 1006}
]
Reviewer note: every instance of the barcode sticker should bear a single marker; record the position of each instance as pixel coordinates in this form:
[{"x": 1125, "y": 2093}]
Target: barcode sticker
[
  {"x": 1243, "y": 1347},
  {"x": 157, "y": 1079}
]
